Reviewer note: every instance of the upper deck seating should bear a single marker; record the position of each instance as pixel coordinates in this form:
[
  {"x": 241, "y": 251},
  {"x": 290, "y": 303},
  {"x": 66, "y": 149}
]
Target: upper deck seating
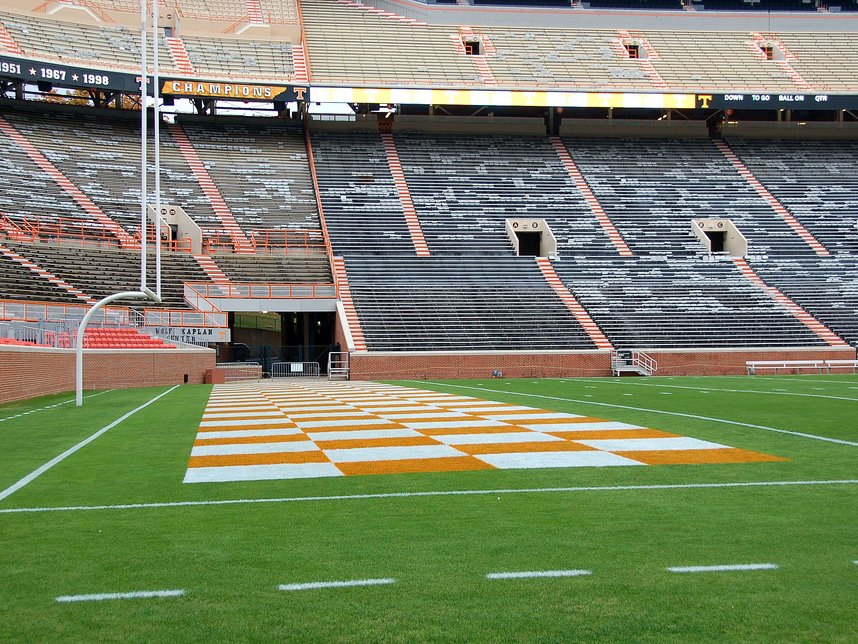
[{"x": 240, "y": 58}]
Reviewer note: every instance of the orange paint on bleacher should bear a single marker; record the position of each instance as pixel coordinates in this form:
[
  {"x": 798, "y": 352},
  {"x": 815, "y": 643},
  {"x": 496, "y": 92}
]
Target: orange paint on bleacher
[
  {"x": 342, "y": 281},
  {"x": 800, "y": 314},
  {"x": 66, "y": 184},
  {"x": 411, "y": 220},
  {"x": 773, "y": 202},
  {"x": 584, "y": 319}
]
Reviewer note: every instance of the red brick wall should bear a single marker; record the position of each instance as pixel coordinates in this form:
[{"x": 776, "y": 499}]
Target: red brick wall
[
  {"x": 704, "y": 362},
  {"x": 29, "y": 372},
  {"x": 422, "y": 366},
  {"x": 726, "y": 362}
]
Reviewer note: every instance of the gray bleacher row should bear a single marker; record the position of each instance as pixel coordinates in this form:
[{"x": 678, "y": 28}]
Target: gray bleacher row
[
  {"x": 465, "y": 187},
  {"x": 262, "y": 173},
  {"x": 362, "y": 208},
  {"x": 663, "y": 302},
  {"x": 652, "y": 188},
  {"x": 99, "y": 272},
  {"x": 116, "y": 45},
  {"x": 20, "y": 283},
  {"x": 826, "y": 287},
  {"x": 816, "y": 181},
  {"x": 427, "y": 303},
  {"x": 102, "y": 157}
]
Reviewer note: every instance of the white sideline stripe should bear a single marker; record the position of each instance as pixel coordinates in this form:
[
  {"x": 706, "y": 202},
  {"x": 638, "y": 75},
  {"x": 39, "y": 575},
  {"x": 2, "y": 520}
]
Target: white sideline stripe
[
  {"x": 736, "y": 391},
  {"x": 312, "y": 585},
  {"x": 86, "y": 441},
  {"x": 654, "y": 411},
  {"x": 430, "y": 493},
  {"x": 54, "y": 406},
  {"x": 139, "y": 594},
  {"x": 538, "y": 573},
  {"x": 725, "y": 568}
]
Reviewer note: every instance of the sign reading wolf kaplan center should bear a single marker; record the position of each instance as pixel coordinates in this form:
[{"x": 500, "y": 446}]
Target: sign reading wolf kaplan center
[
  {"x": 191, "y": 335},
  {"x": 233, "y": 91}
]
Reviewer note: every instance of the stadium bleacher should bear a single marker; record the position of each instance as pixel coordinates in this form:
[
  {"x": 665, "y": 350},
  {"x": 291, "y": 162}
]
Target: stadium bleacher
[{"x": 240, "y": 179}]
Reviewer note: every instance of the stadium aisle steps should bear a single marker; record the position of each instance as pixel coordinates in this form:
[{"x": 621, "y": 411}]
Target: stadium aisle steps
[
  {"x": 47, "y": 275},
  {"x": 180, "y": 55},
  {"x": 299, "y": 61},
  {"x": 572, "y": 304},
  {"x": 801, "y": 315},
  {"x": 645, "y": 63},
  {"x": 211, "y": 191},
  {"x": 212, "y": 270},
  {"x": 596, "y": 208},
  {"x": 776, "y": 205},
  {"x": 342, "y": 281},
  {"x": 398, "y": 175},
  {"x": 7, "y": 42},
  {"x": 66, "y": 184},
  {"x": 254, "y": 12}
]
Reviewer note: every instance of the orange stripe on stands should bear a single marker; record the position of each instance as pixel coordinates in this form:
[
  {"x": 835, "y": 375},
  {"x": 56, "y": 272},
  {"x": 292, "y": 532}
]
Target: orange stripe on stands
[
  {"x": 406, "y": 441},
  {"x": 613, "y": 433},
  {"x": 276, "y": 458},
  {"x": 291, "y": 438},
  {"x": 515, "y": 448},
  {"x": 701, "y": 456},
  {"x": 408, "y": 466}
]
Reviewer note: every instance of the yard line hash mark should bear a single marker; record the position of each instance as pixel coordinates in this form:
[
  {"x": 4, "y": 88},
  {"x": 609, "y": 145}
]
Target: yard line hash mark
[
  {"x": 531, "y": 574},
  {"x": 313, "y": 585},
  {"x": 725, "y": 568},
  {"x": 137, "y": 594}
]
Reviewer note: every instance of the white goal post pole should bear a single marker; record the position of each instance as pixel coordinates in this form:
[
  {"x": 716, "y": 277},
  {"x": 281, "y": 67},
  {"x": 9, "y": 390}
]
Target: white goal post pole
[
  {"x": 137, "y": 295},
  {"x": 156, "y": 90},
  {"x": 144, "y": 188}
]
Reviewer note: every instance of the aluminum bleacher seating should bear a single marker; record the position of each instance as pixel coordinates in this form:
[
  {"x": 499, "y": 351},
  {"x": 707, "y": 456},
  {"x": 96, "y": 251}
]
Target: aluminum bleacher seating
[
  {"x": 101, "y": 272},
  {"x": 826, "y": 287},
  {"x": 362, "y": 209},
  {"x": 276, "y": 269},
  {"x": 665, "y": 302},
  {"x": 465, "y": 187},
  {"x": 431, "y": 303},
  {"x": 101, "y": 155},
  {"x": 19, "y": 283},
  {"x": 815, "y": 180},
  {"x": 652, "y": 188},
  {"x": 262, "y": 173},
  {"x": 240, "y": 58}
]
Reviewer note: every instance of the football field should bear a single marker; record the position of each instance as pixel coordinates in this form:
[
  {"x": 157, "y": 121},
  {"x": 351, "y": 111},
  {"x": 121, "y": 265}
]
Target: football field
[{"x": 657, "y": 509}]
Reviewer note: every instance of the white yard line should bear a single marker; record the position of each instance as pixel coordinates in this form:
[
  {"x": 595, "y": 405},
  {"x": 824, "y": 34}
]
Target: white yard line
[
  {"x": 724, "y": 568},
  {"x": 44, "y": 468},
  {"x": 437, "y": 493},
  {"x": 137, "y": 594},
  {"x": 54, "y": 406},
  {"x": 313, "y": 585},
  {"x": 733, "y": 391},
  {"x": 538, "y": 573},
  {"x": 654, "y": 411}
]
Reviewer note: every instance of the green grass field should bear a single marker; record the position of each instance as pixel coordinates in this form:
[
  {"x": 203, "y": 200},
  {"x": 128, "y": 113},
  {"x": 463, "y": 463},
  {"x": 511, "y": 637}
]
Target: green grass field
[{"x": 626, "y": 525}]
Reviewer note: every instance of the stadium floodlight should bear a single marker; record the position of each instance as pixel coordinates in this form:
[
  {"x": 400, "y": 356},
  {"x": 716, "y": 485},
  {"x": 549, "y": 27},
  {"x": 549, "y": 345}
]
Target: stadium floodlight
[{"x": 145, "y": 293}]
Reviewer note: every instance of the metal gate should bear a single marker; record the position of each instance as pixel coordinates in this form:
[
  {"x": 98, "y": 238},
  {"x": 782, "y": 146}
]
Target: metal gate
[{"x": 294, "y": 369}]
